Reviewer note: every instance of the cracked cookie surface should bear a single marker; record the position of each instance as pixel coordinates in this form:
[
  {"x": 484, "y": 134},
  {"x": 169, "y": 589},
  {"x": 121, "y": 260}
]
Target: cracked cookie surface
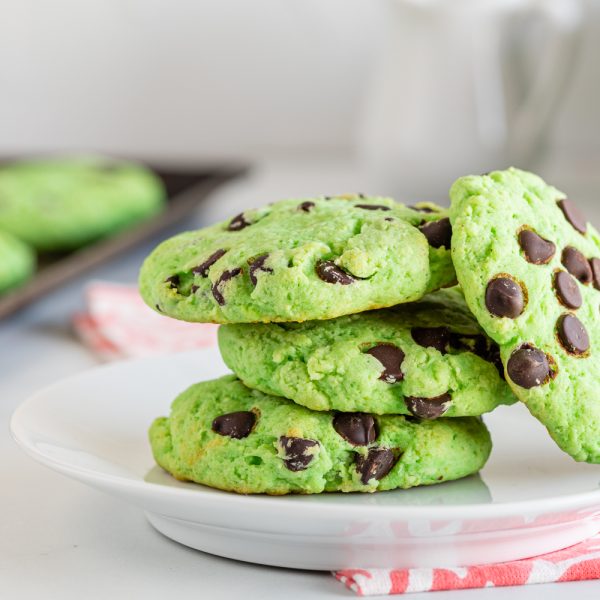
[
  {"x": 429, "y": 358},
  {"x": 222, "y": 434},
  {"x": 529, "y": 264},
  {"x": 301, "y": 259}
]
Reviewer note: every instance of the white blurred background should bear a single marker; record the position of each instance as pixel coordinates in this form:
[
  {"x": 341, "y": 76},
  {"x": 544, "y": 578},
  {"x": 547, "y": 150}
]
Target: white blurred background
[{"x": 226, "y": 79}]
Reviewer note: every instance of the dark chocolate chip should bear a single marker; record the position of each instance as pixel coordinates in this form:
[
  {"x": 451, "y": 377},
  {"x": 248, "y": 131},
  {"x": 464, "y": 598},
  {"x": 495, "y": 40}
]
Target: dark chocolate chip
[
  {"x": 225, "y": 276},
  {"x": 391, "y": 358},
  {"x": 528, "y": 367},
  {"x": 298, "y": 454},
  {"x": 576, "y": 263},
  {"x": 504, "y": 298},
  {"x": 359, "y": 429},
  {"x": 173, "y": 281},
  {"x": 306, "y": 206},
  {"x": 236, "y": 425},
  {"x": 573, "y": 215},
  {"x": 438, "y": 233},
  {"x": 595, "y": 264},
  {"x": 194, "y": 289},
  {"x": 431, "y": 337},
  {"x": 423, "y": 209},
  {"x": 158, "y": 308},
  {"x": 258, "y": 264},
  {"x": 428, "y": 408},
  {"x": 572, "y": 334},
  {"x": 567, "y": 290},
  {"x": 202, "y": 269},
  {"x": 372, "y": 206},
  {"x": 329, "y": 272},
  {"x": 536, "y": 249},
  {"x": 238, "y": 223},
  {"x": 376, "y": 464}
]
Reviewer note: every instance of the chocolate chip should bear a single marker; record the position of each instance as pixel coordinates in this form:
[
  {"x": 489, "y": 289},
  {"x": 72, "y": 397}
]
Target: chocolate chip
[
  {"x": 306, "y": 206},
  {"x": 391, "y": 358},
  {"x": 298, "y": 454},
  {"x": 431, "y": 337},
  {"x": 567, "y": 290},
  {"x": 528, "y": 367},
  {"x": 329, "y": 272},
  {"x": 576, "y": 263},
  {"x": 258, "y": 264},
  {"x": 225, "y": 276},
  {"x": 536, "y": 249},
  {"x": 423, "y": 209},
  {"x": 573, "y": 215},
  {"x": 438, "y": 233},
  {"x": 194, "y": 289},
  {"x": 238, "y": 223},
  {"x": 572, "y": 334},
  {"x": 236, "y": 425},
  {"x": 158, "y": 308},
  {"x": 504, "y": 298},
  {"x": 173, "y": 281},
  {"x": 428, "y": 408},
  {"x": 375, "y": 465},
  {"x": 595, "y": 265},
  {"x": 359, "y": 429},
  {"x": 202, "y": 269},
  {"x": 372, "y": 206}
]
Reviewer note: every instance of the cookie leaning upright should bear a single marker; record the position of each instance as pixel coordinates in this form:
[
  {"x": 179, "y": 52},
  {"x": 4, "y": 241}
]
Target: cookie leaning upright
[
  {"x": 297, "y": 260},
  {"x": 529, "y": 264}
]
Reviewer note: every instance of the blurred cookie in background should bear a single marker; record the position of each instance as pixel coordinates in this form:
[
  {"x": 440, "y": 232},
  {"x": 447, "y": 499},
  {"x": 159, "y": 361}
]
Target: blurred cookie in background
[
  {"x": 62, "y": 203},
  {"x": 17, "y": 262}
]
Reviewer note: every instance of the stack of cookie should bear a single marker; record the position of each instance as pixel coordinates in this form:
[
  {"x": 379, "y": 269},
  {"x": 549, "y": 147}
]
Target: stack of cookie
[{"x": 352, "y": 373}]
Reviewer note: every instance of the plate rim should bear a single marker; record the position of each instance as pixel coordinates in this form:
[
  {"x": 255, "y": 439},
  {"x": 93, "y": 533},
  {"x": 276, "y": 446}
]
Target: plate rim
[{"x": 474, "y": 511}]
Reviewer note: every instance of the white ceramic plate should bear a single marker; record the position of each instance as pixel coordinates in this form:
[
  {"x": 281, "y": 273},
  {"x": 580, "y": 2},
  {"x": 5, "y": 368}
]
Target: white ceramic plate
[{"x": 528, "y": 500}]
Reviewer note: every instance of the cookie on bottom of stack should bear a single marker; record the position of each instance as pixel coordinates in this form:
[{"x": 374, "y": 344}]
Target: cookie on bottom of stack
[{"x": 224, "y": 435}]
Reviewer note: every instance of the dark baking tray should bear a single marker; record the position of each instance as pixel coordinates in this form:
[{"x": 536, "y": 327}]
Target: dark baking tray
[{"x": 186, "y": 188}]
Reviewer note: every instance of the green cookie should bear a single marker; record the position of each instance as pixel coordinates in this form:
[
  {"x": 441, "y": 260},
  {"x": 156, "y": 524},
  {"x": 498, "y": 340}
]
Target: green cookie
[
  {"x": 225, "y": 435},
  {"x": 427, "y": 358},
  {"x": 64, "y": 203},
  {"x": 17, "y": 262},
  {"x": 301, "y": 259},
  {"x": 529, "y": 265}
]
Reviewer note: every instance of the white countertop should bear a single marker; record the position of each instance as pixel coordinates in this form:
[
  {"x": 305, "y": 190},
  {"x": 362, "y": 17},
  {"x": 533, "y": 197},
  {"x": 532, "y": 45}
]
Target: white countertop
[{"x": 61, "y": 539}]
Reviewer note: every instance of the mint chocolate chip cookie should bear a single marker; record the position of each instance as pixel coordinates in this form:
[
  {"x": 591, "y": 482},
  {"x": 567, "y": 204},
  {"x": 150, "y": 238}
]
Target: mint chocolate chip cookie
[
  {"x": 529, "y": 264},
  {"x": 17, "y": 262},
  {"x": 63, "y": 203},
  {"x": 428, "y": 358},
  {"x": 297, "y": 260},
  {"x": 222, "y": 434}
]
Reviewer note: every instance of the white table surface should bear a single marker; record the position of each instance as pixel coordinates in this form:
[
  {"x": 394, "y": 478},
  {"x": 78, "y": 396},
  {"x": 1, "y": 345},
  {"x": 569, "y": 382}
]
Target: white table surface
[{"x": 61, "y": 539}]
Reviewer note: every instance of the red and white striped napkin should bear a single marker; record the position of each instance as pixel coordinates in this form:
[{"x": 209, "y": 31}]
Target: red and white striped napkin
[
  {"x": 577, "y": 563},
  {"x": 117, "y": 324}
]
